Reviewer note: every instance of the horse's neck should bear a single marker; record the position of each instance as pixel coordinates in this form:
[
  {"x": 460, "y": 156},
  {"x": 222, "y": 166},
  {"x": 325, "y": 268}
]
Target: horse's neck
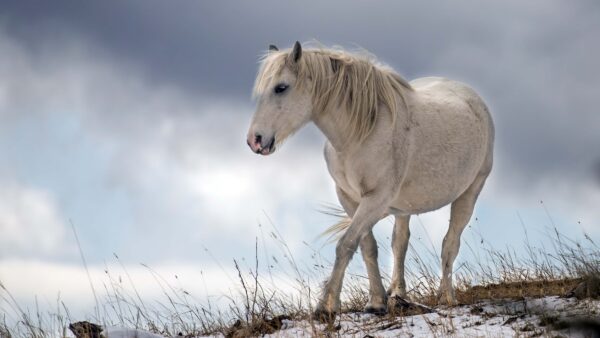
[{"x": 332, "y": 126}]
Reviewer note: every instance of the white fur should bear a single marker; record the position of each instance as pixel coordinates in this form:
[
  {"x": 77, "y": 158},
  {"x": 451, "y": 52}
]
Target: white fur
[{"x": 434, "y": 150}]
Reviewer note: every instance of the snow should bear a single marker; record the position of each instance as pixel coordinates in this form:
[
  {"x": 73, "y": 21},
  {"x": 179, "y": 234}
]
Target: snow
[
  {"x": 486, "y": 319},
  {"x": 120, "y": 332}
]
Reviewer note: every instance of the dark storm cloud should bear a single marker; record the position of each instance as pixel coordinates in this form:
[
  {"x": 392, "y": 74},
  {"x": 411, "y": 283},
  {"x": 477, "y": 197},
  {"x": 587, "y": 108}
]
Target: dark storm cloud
[
  {"x": 214, "y": 45},
  {"x": 596, "y": 171},
  {"x": 535, "y": 62}
]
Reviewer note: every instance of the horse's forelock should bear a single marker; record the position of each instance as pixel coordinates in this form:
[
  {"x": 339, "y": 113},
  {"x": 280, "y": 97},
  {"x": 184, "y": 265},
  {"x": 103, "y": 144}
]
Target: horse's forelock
[{"x": 271, "y": 65}]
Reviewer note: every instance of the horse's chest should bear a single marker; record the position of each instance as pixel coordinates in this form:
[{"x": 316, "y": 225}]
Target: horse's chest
[
  {"x": 345, "y": 175},
  {"x": 348, "y": 184}
]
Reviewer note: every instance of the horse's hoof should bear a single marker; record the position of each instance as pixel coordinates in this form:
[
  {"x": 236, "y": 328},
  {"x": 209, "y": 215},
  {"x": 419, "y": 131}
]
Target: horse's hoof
[
  {"x": 323, "y": 315},
  {"x": 447, "y": 301},
  {"x": 376, "y": 310}
]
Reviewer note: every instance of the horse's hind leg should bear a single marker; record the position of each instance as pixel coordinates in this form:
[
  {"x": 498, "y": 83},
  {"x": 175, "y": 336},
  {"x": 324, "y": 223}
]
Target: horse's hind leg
[
  {"x": 368, "y": 249},
  {"x": 462, "y": 209},
  {"x": 400, "y": 238}
]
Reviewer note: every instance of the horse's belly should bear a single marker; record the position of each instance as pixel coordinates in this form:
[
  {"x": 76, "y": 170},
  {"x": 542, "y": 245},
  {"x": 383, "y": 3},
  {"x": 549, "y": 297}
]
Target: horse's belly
[
  {"x": 418, "y": 197},
  {"x": 432, "y": 183}
]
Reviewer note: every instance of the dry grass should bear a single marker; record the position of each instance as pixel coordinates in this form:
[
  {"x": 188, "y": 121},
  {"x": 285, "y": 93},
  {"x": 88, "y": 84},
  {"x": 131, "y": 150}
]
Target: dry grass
[
  {"x": 517, "y": 290},
  {"x": 260, "y": 306}
]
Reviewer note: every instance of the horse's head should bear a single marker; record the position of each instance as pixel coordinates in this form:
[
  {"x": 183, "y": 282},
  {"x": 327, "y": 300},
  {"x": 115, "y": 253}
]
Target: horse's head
[{"x": 284, "y": 105}]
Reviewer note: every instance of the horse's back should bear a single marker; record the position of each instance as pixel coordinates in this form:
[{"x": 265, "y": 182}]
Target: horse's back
[
  {"x": 438, "y": 98},
  {"x": 440, "y": 90}
]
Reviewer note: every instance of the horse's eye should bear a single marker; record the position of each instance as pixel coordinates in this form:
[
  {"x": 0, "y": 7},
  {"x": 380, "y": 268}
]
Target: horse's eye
[{"x": 280, "y": 88}]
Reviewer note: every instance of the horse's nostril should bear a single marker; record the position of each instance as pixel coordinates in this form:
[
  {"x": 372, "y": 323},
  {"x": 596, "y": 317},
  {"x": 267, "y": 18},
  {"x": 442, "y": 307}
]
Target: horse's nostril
[
  {"x": 258, "y": 138},
  {"x": 271, "y": 143}
]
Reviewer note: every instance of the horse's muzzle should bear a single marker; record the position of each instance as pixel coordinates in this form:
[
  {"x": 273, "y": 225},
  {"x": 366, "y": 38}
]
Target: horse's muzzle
[{"x": 259, "y": 145}]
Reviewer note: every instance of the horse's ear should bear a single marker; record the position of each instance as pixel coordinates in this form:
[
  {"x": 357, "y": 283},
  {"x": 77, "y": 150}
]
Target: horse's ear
[
  {"x": 296, "y": 52},
  {"x": 273, "y": 48}
]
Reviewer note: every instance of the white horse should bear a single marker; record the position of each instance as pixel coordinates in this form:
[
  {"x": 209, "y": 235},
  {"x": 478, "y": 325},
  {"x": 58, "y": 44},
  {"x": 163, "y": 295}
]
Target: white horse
[{"x": 394, "y": 148}]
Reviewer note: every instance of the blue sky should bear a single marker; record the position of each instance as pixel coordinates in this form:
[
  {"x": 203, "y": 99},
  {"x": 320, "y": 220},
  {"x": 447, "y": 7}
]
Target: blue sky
[{"x": 128, "y": 120}]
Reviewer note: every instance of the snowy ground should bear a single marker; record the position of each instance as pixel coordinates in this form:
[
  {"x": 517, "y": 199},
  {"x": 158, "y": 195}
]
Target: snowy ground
[
  {"x": 527, "y": 318},
  {"x": 545, "y": 317}
]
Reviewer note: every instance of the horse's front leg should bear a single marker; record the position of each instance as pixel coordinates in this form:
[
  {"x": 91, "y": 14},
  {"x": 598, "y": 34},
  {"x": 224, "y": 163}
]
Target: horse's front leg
[
  {"x": 370, "y": 210},
  {"x": 368, "y": 248}
]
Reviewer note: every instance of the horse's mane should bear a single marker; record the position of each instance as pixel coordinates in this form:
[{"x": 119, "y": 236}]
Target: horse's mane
[{"x": 357, "y": 81}]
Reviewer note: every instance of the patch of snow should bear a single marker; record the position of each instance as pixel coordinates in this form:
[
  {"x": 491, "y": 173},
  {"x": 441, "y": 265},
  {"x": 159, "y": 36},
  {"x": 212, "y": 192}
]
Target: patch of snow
[
  {"x": 486, "y": 319},
  {"x": 121, "y": 332}
]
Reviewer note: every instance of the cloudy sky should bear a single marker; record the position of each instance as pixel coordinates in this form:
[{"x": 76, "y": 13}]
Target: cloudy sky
[{"x": 126, "y": 120}]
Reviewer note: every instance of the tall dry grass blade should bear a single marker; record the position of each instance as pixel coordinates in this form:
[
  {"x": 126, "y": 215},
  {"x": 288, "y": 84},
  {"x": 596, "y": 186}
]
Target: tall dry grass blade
[{"x": 87, "y": 271}]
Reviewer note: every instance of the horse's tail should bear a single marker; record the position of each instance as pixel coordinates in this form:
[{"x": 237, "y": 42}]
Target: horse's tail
[{"x": 336, "y": 230}]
